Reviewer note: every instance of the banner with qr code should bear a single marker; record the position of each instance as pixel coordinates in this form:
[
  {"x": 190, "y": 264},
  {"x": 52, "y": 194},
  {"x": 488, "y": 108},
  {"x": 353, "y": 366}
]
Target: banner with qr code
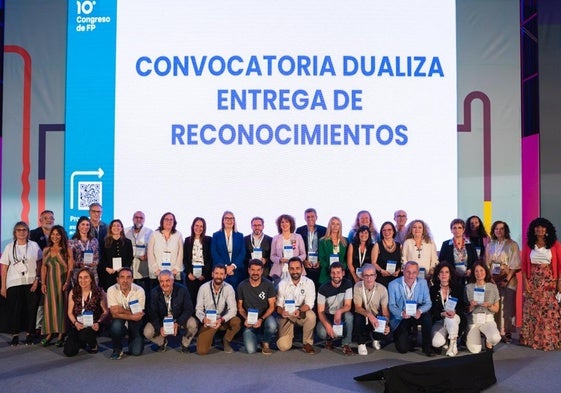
[{"x": 90, "y": 118}]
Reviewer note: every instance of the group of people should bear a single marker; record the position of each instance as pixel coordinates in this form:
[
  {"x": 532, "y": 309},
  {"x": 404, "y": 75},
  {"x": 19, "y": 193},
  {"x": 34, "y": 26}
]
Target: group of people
[{"x": 366, "y": 287}]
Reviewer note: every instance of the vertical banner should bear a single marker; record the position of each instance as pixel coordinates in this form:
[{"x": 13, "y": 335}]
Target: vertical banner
[{"x": 90, "y": 113}]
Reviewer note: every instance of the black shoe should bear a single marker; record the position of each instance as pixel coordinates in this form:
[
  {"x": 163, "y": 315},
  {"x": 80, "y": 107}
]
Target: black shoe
[
  {"x": 93, "y": 350},
  {"x": 164, "y": 346},
  {"x": 429, "y": 352},
  {"x": 28, "y": 340},
  {"x": 15, "y": 341},
  {"x": 184, "y": 349}
]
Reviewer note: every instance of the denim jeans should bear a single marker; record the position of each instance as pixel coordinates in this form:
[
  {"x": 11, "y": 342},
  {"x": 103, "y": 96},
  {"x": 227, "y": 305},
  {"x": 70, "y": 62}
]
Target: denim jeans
[
  {"x": 347, "y": 328},
  {"x": 118, "y": 331},
  {"x": 269, "y": 327}
]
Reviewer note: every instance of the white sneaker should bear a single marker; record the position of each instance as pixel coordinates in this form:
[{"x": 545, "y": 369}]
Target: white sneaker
[
  {"x": 362, "y": 349},
  {"x": 453, "y": 350},
  {"x": 376, "y": 345}
]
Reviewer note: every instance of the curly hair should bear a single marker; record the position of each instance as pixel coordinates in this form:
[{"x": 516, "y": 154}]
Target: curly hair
[
  {"x": 550, "y": 232},
  {"x": 427, "y": 237}
]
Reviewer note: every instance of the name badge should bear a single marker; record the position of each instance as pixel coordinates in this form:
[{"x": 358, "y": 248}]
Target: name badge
[
  {"x": 117, "y": 263},
  {"x": 390, "y": 266},
  {"x": 479, "y": 295},
  {"x": 478, "y": 251},
  {"x": 166, "y": 266},
  {"x": 359, "y": 272},
  {"x": 88, "y": 257},
  {"x": 333, "y": 258},
  {"x": 411, "y": 308},
  {"x": 257, "y": 253},
  {"x": 252, "y": 316},
  {"x": 211, "y": 316},
  {"x": 166, "y": 256},
  {"x": 139, "y": 250},
  {"x": 422, "y": 273},
  {"x": 313, "y": 258},
  {"x": 135, "y": 306},
  {"x": 381, "y": 325},
  {"x": 451, "y": 304},
  {"x": 289, "y": 306},
  {"x": 338, "y": 330},
  {"x": 169, "y": 328},
  {"x": 197, "y": 269},
  {"x": 496, "y": 269},
  {"x": 87, "y": 318},
  {"x": 460, "y": 267},
  {"x": 287, "y": 252}
]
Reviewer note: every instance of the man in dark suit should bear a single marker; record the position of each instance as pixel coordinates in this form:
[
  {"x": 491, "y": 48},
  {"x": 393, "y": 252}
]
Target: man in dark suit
[
  {"x": 311, "y": 233},
  {"x": 258, "y": 246}
]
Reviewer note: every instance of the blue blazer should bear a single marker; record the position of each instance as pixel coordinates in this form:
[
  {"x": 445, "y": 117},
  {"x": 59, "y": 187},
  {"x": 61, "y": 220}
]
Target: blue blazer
[
  {"x": 220, "y": 254},
  {"x": 397, "y": 299}
]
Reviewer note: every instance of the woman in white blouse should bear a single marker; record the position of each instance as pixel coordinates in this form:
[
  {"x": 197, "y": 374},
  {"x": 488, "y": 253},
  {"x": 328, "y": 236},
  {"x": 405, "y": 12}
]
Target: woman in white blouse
[
  {"x": 165, "y": 249},
  {"x": 420, "y": 247}
]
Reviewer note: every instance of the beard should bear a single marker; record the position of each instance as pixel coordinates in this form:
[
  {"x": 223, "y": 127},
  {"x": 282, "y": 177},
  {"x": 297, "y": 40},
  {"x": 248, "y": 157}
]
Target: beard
[
  {"x": 138, "y": 226},
  {"x": 295, "y": 276},
  {"x": 218, "y": 281}
]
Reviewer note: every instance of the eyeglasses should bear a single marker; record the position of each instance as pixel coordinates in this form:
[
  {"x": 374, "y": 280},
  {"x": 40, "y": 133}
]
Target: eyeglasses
[
  {"x": 21, "y": 230},
  {"x": 95, "y": 211},
  {"x": 229, "y": 218},
  {"x": 368, "y": 275},
  {"x": 138, "y": 218},
  {"x": 401, "y": 215}
]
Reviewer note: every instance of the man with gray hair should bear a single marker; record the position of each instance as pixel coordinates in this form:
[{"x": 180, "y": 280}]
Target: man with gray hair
[
  {"x": 170, "y": 310},
  {"x": 371, "y": 310},
  {"x": 400, "y": 218},
  {"x": 409, "y": 305}
]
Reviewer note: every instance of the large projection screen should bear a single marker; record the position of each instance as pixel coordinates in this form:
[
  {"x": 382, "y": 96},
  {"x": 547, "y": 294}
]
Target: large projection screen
[{"x": 262, "y": 108}]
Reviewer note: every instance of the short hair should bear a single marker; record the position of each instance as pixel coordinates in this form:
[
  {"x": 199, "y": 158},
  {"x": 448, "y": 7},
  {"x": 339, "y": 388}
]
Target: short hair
[
  {"x": 288, "y": 218},
  {"x": 295, "y": 259},
  {"x": 125, "y": 269},
  {"x": 458, "y": 221},
  {"x": 254, "y": 262},
  {"x": 257, "y": 218},
  {"x": 219, "y": 266},
  {"x": 46, "y": 212},
  {"x": 95, "y": 204},
  {"x": 21, "y": 224},
  {"x": 413, "y": 263},
  {"x": 310, "y": 210},
  {"x": 336, "y": 265},
  {"x": 165, "y": 272},
  {"x": 507, "y": 230},
  {"x": 368, "y": 266}
]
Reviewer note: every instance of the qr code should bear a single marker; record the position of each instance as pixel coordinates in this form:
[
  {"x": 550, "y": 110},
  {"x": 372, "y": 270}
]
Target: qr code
[{"x": 88, "y": 192}]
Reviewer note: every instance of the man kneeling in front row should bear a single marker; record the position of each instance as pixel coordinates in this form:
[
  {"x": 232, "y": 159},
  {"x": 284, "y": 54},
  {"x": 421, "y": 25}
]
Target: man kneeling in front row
[{"x": 171, "y": 309}]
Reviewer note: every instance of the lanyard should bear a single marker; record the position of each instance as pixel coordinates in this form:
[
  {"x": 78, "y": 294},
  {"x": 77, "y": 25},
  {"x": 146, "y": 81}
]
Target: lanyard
[
  {"x": 84, "y": 304},
  {"x": 168, "y": 303},
  {"x": 311, "y": 238},
  {"x": 362, "y": 256},
  {"x": 364, "y": 299},
  {"x": 15, "y": 253},
  {"x": 216, "y": 300},
  {"x": 409, "y": 292}
]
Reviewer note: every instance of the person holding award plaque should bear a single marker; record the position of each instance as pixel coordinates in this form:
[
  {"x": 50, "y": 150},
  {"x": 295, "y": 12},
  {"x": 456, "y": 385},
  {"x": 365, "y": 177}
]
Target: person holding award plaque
[
  {"x": 139, "y": 235},
  {"x": 115, "y": 254},
  {"x": 197, "y": 258},
  {"x": 458, "y": 251},
  {"x": 85, "y": 249},
  {"x": 502, "y": 255},
  {"x": 311, "y": 233},
  {"x": 285, "y": 245},
  {"x": 227, "y": 249},
  {"x": 420, "y": 247},
  {"x": 483, "y": 298},
  {"x": 386, "y": 255},
  {"x": 332, "y": 248},
  {"x": 87, "y": 309},
  {"x": 410, "y": 306},
  {"x": 447, "y": 308},
  {"x": 165, "y": 249},
  {"x": 258, "y": 246},
  {"x": 359, "y": 252}
]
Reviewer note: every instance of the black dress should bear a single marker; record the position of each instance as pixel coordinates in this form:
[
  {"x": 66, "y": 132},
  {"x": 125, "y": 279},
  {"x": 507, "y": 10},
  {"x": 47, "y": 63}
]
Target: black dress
[{"x": 383, "y": 259}]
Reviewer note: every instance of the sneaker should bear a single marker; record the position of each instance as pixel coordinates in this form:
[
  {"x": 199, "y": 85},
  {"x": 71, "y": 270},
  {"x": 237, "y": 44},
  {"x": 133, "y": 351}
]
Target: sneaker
[
  {"x": 184, "y": 349},
  {"x": 362, "y": 349},
  {"x": 309, "y": 349},
  {"x": 266, "y": 349},
  {"x": 329, "y": 344},
  {"x": 117, "y": 355},
  {"x": 15, "y": 341},
  {"x": 377, "y": 345},
  {"x": 163, "y": 347},
  {"x": 452, "y": 351},
  {"x": 28, "y": 340},
  {"x": 227, "y": 346},
  {"x": 347, "y": 351},
  {"x": 93, "y": 350}
]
